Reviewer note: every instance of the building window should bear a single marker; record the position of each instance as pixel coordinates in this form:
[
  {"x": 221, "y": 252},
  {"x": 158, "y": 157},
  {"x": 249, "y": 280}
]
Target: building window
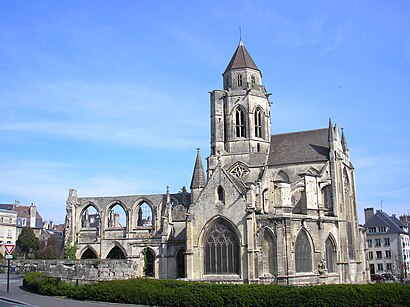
[
  {"x": 221, "y": 194},
  {"x": 370, "y": 255},
  {"x": 239, "y": 123},
  {"x": 144, "y": 215},
  {"x": 1, "y": 232},
  {"x": 382, "y": 229},
  {"x": 330, "y": 256},
  {"x": 380, "y": 266},
  {"x": 371, "y": 230},
  {"x": 258, "y": 123},
  {"x": 327, "y": 199},
  {"x": 9, "y": 233},
  {"x": 386, "y": 242},
  {"x": 303, "y": 253},
  {"x": 388, "y": 267},
  {"x": 240, "y": 83},
  {"x": 253, "y": 79},
  {"x": 379, "y": 254},
  {"x": 378, "y": 242},
  {"x": 388, "y": 254},
  {"x": 369, "y": 243},
  {"x": 221, "y": 250}
]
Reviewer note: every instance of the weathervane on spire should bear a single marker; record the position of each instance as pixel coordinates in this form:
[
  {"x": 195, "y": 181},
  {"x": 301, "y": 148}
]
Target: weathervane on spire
[{"x": 240, "y": 34}]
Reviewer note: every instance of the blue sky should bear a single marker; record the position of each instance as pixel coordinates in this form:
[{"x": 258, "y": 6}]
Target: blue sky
[{"x": 111, "y": 97}]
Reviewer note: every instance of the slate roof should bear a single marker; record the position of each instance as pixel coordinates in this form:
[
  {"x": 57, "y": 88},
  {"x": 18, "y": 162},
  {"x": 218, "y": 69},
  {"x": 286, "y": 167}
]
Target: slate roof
[
  {"x": 198, "y": 177},
  {"x": 241, "y": 59},
  {"x": 299, "y": 147},
  {"x": 381, "y": 218},
  {"x": 22, "y": 211}
]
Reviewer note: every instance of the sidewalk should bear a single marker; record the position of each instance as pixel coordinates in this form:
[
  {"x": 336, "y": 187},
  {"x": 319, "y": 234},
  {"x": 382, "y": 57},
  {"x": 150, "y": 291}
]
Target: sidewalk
[{"x": 20, "y": 296}]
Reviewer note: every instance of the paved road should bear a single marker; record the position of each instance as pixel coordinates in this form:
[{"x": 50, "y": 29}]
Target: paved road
[{"x": 20, "y": 297}]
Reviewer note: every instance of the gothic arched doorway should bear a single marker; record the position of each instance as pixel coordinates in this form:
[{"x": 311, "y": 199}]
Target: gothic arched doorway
[
  {"x": 116, "y": 253},
  {"x": 180, "y": 259},
  {"x": 149, "y": 263}
]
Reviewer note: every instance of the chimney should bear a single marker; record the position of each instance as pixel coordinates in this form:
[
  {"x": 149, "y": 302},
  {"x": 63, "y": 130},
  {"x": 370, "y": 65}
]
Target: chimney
[
  {"x": 33, "y": 215},
  {"x": 368, "y": 213}
]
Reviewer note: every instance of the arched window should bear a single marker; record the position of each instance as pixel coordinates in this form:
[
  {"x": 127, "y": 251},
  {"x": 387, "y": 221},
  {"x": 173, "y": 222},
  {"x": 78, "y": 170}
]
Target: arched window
[
  {"x": 221, "y": 249},
  {"x": 327, "y": 199},
  {"x": 239, "y": 123},
  {"x": 117, "y": 217},
  {"x": 253, "y": 79},
  {"x": 144, "y": 215},
  {"x": 89, "y": 254},
  {"x": 90, "y": 218},
  {"x": 149, "y": 262},
  {"x": 221, "y": 194},
  {"x": 303, "y": 253},
  {"x": 349, "y": 215},
  {"x": 116, "y": 253},
  {"x": 330, "y": 255},
  {"x": 269, "y": 261},
  {"x": 240, "y": 83},
  {"x": 258, "y": 123}
]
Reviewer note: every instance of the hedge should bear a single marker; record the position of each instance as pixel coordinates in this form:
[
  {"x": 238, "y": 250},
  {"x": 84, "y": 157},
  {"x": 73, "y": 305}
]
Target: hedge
[{"x": 179, "y": 293}]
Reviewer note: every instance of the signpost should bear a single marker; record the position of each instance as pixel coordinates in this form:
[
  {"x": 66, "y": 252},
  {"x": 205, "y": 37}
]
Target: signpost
[{"x": 9, "y": 249}]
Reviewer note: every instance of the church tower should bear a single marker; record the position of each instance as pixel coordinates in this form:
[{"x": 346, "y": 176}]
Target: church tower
[{"x": 240, "y": 119}]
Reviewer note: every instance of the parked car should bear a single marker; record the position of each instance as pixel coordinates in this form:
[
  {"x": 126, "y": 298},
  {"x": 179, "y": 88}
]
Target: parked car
[
  {"x": 389, "y": 277},
  {"x": 376, "y": 278}
]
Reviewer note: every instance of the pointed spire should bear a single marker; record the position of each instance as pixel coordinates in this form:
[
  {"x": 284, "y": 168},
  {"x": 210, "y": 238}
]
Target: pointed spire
[
  {"x": 330, "y": 132},
  {"x": 241, "y": 59},
  {"x": 198, "y": 177},
  {"x": 344, "y": 143}
]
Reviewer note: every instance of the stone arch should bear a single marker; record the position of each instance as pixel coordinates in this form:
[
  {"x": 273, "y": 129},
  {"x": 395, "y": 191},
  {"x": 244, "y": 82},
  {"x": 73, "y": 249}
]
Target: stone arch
[
  {"x": 331, "y": 253},
  {"x": 113, "y": 217},
  {"x": 303, "y": 252},
  {"x": 268, "y": 245},
  {"x": 282, "y": 176},
  {"x": 90, "y": 218},
  {"x": 180, "y": 263},
  {"x": 221, "y": 248},
  {"x": 144, "y": 214},
  {"x": 89, "y": 253},
  {"x": 116, "y": 252},
  {"x": 149, "y": 262}
]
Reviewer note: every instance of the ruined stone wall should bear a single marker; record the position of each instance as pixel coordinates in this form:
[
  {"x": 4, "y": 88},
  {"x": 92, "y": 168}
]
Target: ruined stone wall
[{"x": 81, "y": 271}]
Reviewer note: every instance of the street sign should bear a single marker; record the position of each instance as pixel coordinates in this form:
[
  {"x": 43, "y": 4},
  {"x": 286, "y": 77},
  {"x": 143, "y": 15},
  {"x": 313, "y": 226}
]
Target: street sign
[
  {"x": 9, "y": 256},
  {"x": 9, "y": 248}
]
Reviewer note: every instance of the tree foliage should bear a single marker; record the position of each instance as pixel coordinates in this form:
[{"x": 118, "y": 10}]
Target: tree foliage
[{"x": 27, "y": 242}]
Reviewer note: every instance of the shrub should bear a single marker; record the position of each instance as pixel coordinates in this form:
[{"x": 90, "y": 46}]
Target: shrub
[{"x": 178, "y": 293}]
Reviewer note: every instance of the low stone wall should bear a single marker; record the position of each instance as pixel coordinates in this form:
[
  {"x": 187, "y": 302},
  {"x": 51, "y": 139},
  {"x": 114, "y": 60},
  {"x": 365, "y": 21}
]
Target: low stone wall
[{"x": 80, "y": 271}]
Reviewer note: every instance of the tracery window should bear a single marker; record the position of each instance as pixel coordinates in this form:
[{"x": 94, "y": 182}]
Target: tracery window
[
  {"x": 258, "y": 123},
  {"x": 221, "y": 250},
  {"x": 303, "y": 253},
  {"x": 239, "y": 123},
  {"x": 330, "y": 255}
]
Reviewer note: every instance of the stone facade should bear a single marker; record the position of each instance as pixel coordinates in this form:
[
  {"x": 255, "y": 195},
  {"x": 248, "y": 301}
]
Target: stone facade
[{"x": 270, "y": 209}]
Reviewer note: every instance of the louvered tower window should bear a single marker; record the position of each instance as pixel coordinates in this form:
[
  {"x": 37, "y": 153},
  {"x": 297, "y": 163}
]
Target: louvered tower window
[{"x": 239, "y": 123}]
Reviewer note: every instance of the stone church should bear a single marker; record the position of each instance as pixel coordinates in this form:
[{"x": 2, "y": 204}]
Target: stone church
[{"x": 269, "y": 209}]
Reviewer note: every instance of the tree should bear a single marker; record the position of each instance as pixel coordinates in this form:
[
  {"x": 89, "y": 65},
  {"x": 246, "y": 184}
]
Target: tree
[
  {"x": 27, "y": 242},
  {"x": 52, "y": 248}
]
